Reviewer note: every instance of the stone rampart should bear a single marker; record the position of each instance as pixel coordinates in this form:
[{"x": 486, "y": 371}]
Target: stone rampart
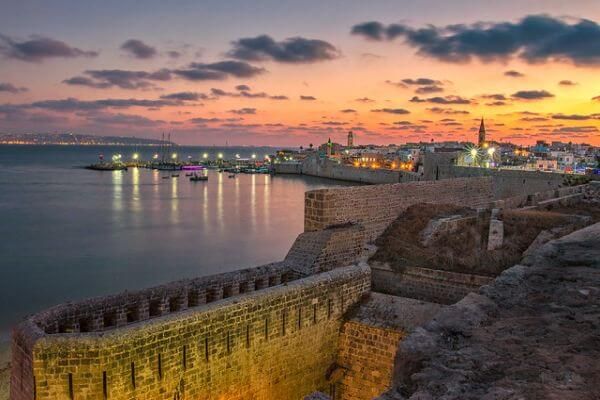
[
  {"x": 325, "y": 168},
  {"x": 323, "y": 250},
  {"x": 275, "y": 343},
  {"x": 375, "y": 207}
]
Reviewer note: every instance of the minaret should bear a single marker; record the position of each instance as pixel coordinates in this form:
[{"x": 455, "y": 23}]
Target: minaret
[
  {"x": 350, "y": 139},
  {"x": 329, "y": 147},
  {"x": 481, "y": 133}
]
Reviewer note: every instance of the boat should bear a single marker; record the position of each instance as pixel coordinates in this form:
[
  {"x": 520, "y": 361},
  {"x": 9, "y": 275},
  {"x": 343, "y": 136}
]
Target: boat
[
  {"x": 166, "y": 177},
  {"x": 190, "y": 174},
  {"x": 197, "y": 178},
  {"x": 175, "y": 175},
  {"x": 232, "y": 175}
]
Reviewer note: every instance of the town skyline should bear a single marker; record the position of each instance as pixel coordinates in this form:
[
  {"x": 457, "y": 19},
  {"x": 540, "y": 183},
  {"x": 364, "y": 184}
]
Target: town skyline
[{"x": 283, "y": 74}]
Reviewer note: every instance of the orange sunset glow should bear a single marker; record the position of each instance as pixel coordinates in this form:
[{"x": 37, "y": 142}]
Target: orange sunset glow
[{"x": 290, "y": 73}]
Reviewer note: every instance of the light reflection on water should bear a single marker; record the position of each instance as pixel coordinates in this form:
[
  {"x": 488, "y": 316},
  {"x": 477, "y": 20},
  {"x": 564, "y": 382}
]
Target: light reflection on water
[{"x": 69, "y": 233}]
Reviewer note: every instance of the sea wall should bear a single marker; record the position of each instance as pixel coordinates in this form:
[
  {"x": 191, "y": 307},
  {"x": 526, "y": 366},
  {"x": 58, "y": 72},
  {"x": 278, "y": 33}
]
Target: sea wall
[
  {"x": 375, "y": 207},
  {"x": 275, "y": 343},
  {"x": 325, "y": 168}
]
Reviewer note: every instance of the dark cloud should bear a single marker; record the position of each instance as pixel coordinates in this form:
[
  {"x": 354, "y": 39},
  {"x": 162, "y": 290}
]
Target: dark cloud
[
  {"x": 245, "y": 93},
  {"x": 122, "y": 119},
  {"x": 576, "y": 117},
  {"x": 597, "y": 98},
  {"x": 567, "y": 82},
  {"x": 244, "y": 111},
  {"x": 421, "y": 82},
  {"x": 348, "y": 110},
  {"x": 218, "y": 71},
  {"x": 368, "y": 100},
  {"x": 441, "y": 110},
  {"x": 242, "y": 87},
  {"x": 429, "y": 89},
  {"x": 124, "y": 79},
  {"x": 514, "y": 74},
  {"x": 392, "y": 110},
  {"x": 532, "y": 94},
  {"x": 533, "y": 119},
  {"x": 442, "y": 100},
  {"x": 576, "y": 129},
  {"x": 535, "y": 38},
  {"x": 495, "y": 96},
  {"x": 498, "y": 103},
  {"x": 185, "y": 96},
  {"x": 403, "y": 123},
  {"x": 174, "y": 54},
  {"x": 292, "y": 50},
  {"x": 10, "y": 88},
  {"x": 309, "y": 98},
  {"x": 72, "y": 104},
  {"x": 138, "y": 49},
  {"x": 37, "y": 49}
]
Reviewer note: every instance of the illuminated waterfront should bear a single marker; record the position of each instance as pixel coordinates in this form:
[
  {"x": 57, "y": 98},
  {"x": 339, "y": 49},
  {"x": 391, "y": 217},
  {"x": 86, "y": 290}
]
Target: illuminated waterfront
[{"x": 69, "y": 233}]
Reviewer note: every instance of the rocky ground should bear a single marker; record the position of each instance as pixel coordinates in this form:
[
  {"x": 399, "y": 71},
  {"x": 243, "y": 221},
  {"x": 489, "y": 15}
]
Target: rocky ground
[
  {"x": 532, "y": 334},
  {"x": 465, "y": 250},
  {"x": 4, "y": 370}
]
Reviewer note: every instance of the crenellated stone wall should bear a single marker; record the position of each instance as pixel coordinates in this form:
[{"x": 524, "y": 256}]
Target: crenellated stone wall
[
  {"x": 276, "y": 343},
  {"x": 375, "y": 207}
]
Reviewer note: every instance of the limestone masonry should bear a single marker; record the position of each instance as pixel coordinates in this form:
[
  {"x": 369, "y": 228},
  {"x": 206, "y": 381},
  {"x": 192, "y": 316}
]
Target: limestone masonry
[{"x": 309, "y": 323}]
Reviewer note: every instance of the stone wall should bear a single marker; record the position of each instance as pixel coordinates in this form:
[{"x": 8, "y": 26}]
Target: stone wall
[
  {"x": 325, "y": 168},
  {"x": 275, "y": 343},
  {"x": 323, "y": 250},
  {"x": 368, "y": 353},
  {"x": 426, "y": 284},
  {"x": 375, "y": 207}
]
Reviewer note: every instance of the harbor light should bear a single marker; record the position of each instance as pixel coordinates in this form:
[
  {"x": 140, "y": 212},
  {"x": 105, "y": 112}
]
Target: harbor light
[
  {"x": 136, "y": 156},
  {"x": 155, "y": 156},
  {"x": 237, "y": 156},
  {"x": 253, "y": 156},
  {"x": 473, "y": 152},
  {"x": 174, "y": 156},
  {"x": 220, "y": 155},
  {"x": 205, "y": 156},
  {"x": 491, "y": 151}
]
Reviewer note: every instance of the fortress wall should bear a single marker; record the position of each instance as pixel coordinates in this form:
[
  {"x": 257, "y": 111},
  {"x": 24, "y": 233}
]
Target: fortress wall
[
  {"x": 508, "y": 182},
  {"x": 375, "y": 207},
  {"x": 275, "y": 343},
  {"x": 367, "y": 352},
  {"x": 426, "y": 284},
  {"x": 108, "y": 312},
  {"x": 329, "y": 169},
  {"x": 323, "y": 250}
]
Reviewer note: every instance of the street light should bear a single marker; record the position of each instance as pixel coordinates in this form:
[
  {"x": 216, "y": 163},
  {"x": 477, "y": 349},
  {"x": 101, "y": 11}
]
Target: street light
[
  {"x": 220, "y": 155},
  {"x": 174, "y": 156},
  {"x": 253, "y": 156},
  {"x": 491, "y": 151},
  {"x": 136, "y": 156},
  {"x": 205, "y": 156}
]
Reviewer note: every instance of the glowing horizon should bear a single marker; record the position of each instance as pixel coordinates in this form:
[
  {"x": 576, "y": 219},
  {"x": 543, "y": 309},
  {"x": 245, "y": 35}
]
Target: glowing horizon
[{"x": 289, "y": 74}]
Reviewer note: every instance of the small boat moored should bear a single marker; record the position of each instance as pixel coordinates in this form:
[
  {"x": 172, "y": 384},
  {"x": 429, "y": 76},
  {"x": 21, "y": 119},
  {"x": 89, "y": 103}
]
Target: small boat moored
[{"x": 197, "y": 178}]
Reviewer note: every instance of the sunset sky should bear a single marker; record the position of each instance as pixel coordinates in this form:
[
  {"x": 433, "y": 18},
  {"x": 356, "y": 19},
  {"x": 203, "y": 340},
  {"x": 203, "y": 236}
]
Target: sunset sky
[{"x": 297, "y": 72}]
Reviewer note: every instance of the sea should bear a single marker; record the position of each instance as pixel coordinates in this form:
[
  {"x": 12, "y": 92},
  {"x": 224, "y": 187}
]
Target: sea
[{"x": 67, "y": 233}]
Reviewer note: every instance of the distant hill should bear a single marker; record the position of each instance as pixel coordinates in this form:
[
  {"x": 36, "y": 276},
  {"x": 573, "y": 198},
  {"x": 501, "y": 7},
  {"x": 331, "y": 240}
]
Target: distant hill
[{"x": 75, "y": 139}]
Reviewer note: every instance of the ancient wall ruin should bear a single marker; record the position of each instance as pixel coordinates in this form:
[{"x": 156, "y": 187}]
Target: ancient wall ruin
[
  {"x": 274, "y": 343},
  {"x": 375, "y": 207},
  {"x": 443, "y": 287}
]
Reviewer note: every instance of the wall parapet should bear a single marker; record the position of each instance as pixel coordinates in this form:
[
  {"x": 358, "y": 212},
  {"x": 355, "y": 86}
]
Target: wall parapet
[
  {"x": 285, "y": 333},
  {"x": 109, "y": 312}
]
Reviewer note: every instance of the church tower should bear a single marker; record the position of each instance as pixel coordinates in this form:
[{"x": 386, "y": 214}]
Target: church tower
[
  {"x": 481, "y": 134},
  {"x": 329, "y": 146},
  {"x": 350, "y": 139}
]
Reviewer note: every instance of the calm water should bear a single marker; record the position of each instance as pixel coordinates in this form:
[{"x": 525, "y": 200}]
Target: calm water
[{"x": 67, "y": 233}]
